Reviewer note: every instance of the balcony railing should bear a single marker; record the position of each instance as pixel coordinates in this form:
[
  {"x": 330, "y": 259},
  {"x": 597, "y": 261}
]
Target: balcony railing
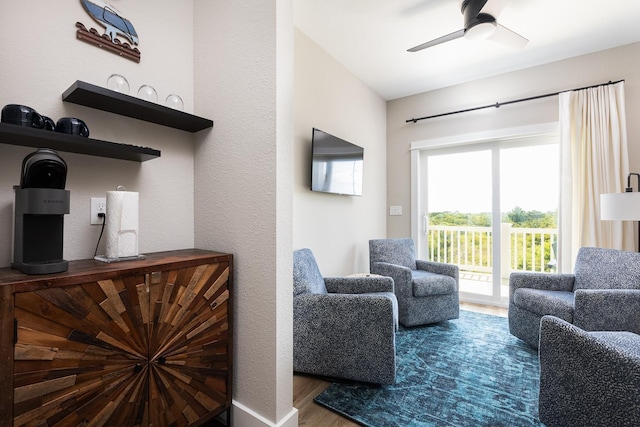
[{"x": 471, "y": 248}]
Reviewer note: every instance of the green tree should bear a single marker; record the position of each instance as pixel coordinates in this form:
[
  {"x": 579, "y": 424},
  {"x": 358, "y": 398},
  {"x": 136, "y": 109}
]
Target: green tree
[
  {"x": 460, "y": 219},
  {"x": 531, "y": 219}
]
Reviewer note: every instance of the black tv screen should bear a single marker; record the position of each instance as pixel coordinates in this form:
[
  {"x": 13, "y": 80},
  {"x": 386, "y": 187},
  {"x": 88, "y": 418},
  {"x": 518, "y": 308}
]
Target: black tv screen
[{"x": 337, "y": 165}]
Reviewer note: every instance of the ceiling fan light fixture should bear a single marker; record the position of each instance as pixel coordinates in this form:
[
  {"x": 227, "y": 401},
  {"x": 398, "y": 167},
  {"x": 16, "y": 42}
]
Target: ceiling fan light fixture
[
  {"x": 480, "y": 31},
  {"x": 480, "y": 22}
]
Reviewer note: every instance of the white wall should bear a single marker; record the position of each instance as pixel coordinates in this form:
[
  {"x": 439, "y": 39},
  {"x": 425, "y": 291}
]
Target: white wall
[
  {"x": 41, "y": 58},
  {"x": 596, "y": 68},
  {"x": 243, "y": 80},
  {"x": 327, "y": 96}
]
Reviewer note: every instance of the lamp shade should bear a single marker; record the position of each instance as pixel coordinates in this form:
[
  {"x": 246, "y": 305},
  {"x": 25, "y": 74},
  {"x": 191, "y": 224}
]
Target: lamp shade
[{"x": 620, "y": 206}]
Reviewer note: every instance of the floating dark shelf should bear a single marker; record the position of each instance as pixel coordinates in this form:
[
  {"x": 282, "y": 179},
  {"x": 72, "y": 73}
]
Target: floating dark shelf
[
  {"x": 125, "y": 105},
  {"x": 40, "y": 138}
]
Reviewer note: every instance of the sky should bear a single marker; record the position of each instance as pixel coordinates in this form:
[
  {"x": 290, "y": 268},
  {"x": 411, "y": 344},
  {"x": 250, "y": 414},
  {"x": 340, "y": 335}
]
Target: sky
[{"x": 461, "y": 182}]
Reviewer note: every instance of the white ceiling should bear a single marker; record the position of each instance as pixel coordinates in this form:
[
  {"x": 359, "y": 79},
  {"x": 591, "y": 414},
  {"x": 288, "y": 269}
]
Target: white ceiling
[{"x": 371, "y": 37}]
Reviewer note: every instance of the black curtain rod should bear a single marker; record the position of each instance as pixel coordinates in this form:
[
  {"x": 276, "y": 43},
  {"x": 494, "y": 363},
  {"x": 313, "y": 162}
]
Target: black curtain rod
[{"x": 499, "y": 104}]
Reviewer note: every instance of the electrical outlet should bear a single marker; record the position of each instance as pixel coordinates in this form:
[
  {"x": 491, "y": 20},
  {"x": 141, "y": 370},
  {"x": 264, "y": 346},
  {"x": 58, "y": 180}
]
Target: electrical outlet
[{"x": 98, "y": 205}]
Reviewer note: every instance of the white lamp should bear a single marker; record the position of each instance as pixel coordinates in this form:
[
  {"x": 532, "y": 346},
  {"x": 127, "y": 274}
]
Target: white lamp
[{"x": 622, "y": 206}]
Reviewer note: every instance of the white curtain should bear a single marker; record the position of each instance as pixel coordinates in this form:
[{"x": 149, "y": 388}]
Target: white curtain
[{"x": 594, "y": 160}]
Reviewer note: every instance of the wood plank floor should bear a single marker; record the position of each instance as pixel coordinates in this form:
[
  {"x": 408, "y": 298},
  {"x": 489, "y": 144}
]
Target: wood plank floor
[{"x": 306, "y": 388}]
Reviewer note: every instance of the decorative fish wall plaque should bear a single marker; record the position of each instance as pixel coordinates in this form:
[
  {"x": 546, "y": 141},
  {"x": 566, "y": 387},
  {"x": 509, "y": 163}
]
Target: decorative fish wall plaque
[{"x": 115, "y": 24}]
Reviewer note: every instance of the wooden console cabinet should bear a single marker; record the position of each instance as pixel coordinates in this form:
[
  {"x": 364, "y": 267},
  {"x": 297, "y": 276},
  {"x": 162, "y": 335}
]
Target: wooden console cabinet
[{"x": 135, "y": 343}]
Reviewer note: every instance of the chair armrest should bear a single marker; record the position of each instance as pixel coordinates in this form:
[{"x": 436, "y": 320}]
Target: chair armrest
[
  {"x": 561, "y": 340},
  {"x": 607, "y": 310},
  {"x": 358, "y": 285},
  {"x": 329, "y": 321},
  {"x": 542, "y": 281},
  {"x": 401, "y": 276},
  {"x": 438, "y": 268}
]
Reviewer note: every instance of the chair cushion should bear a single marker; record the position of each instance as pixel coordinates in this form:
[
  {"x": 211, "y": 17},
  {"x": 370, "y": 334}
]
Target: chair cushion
[
  {"x": 541, "y": 302},
  {"x": 427, "y": 284}
]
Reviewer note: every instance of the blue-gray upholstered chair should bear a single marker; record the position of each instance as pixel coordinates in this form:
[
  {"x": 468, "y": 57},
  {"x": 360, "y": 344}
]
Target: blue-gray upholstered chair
[
  {"x": 588, "y": 378},
  {"x": 343, "y": 327},
  {"x": 427, "y": 291},
  {"x": 604, "y": 286}
]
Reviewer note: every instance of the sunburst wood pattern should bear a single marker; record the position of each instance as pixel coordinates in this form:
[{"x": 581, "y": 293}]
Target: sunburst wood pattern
[{"x": 136, "y": 350}]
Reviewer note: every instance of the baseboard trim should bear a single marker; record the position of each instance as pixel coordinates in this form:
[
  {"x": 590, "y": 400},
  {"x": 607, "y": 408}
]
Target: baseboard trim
[{"x": 245, "y": 417}]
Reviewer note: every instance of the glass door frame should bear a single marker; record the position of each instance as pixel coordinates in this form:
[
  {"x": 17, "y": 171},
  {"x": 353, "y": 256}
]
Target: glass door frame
[{"x": 492, "y": 140}]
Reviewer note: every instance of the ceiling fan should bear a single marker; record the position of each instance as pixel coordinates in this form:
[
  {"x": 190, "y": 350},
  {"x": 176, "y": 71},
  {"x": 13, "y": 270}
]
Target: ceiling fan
[{"x": 480, "y": 22}]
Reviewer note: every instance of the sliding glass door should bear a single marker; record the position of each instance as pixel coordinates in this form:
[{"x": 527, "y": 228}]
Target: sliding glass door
[
  {"x": 490, "y": 208},
  {"x": 529, "y": 200},
  {"x": 458, "y": 222}
]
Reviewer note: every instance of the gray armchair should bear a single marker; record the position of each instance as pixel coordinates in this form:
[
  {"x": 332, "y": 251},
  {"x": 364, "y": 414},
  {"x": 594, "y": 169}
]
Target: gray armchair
[
  {"x": 603, "y": 289},
  {"x": 427, "y": 291},
  {"x": 343, "y": 327},
  {"x": 588, "y": 378}
]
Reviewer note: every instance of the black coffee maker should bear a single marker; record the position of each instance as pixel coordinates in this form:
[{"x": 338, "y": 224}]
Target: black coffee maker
[{"x": 40, "y": 204}]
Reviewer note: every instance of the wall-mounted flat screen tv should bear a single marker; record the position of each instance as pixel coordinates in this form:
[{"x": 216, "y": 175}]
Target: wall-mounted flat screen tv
[{"x": 337, "y": 165}]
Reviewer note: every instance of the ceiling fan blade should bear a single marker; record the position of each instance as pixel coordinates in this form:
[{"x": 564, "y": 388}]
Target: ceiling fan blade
[
  {"x": 443, "y": 39},
  {"x": 506, "y": 36},
  {"x": 494, "y": 7}
]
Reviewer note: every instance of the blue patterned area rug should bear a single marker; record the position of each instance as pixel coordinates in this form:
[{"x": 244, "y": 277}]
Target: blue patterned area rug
[{"x": 468, "y": 372}]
